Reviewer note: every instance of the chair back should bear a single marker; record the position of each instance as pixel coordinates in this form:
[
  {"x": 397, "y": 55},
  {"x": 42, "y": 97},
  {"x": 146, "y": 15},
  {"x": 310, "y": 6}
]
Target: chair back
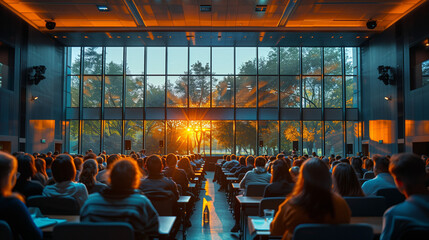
[
  {"x": 369, "y": 175},
  {"x": 366, "y": 206},
  {"x": 164, "y": 203},
  {"x": 331, "y": 231},
  {"x": 415, "y": 233},
  {"x": 392, "y": 196},
  {"x": 54, "y": 205},
  {"x": 91, "y": 231},
  {"x": 255, "y": 189},
  {"x": 240, "y": 176},
  {"x": 270, "y": 203},
  {"x": 5, "y": 231}
]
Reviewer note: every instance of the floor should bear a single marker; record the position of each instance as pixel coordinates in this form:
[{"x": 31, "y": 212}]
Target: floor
[{"x": 221, "y": 220}]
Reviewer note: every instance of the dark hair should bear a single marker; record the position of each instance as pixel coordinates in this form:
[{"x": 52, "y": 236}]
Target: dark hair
[
  {"x": 49, "y": 161},
  {"x": 233, "y": 157},
  {"x": 357, "y": 166},
  {"x": 90, "y": 155},
  {"x": 280, "y": 171},
  {"x": 124, "y": 175},
  {"x": 171, "y": 160},
  {"x": 280, "y": 156},
  {"x": 7, "y": 164},
  {"x": 242, "y": 160},
  {"x": 260, "y": 161},
  {"x": 381, "y": 163},
  {"x": 345, "y": 181},
  {"x": 112, "y": 159},
  {"x": 369, "y": 164},
  {"x": 185, "y": 164},
  {"x": 312, "y": 190},
  {"x": 26, "y": 166},
  {"x": 154, "y": 164},
  {"x": 297, "y": 163},
  {"x": 88, "y": 173},
  {"x": 409, "y": 169},
  {"x": 250, "y": 160},
  {"x": 63, "y": 168},
  {"x": 40, "y": 165},
  {"x": 78, "y": 163}
]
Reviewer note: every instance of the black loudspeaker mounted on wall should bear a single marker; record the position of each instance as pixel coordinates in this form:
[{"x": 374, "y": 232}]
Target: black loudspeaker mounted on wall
[
  {"x": 349, "y": 148},
  {"x": 161, "y": 143},
  {"x": 127, "y": 144},
  {"x": 261, "y": 143},
  {"x": 37, "y": 74},
  {"x": 295, "y": 145}
]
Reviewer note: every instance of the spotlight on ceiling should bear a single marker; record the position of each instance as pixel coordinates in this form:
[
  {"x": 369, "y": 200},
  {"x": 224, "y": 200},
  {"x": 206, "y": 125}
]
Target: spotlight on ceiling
[
  {"x": 261, "y": 8},
  {"x": 50, "y": 24},
  {"x": 205, "y": 8},
  {"x": 371, "y": 24},
  {"x": 103, "y": 8}
]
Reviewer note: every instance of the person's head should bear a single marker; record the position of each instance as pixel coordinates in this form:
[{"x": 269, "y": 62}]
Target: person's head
[
  {"x": 8, "y": 169},
  {"x": 185, "y": 164},
  {"x": 338, "y": 157},
  {"x": 344, "y": 160},
  {"x": 280, "y": 171},
  {"x": 88, "y": 173},
  {"x": 112, "y": 159},
  {"x": 381, "y": 164},
  {"x": 409, "y": 173},
  {"x": 260, "y": 162},
  {"x": 63, "y": 168},
  {"x": 153, "y": 165},
  {"x": 369, "y": 164},
  {"x": 78, "y": 163},
  {"x": 250, "y": 160},
  {"x": 26, "y": 166},
  {"x": 90, "y": 155},
  {"x": 294, "y": 173},
  {"x": 143, "y": 151},
  {"x": 40, "y": 165},
  {"x": 49, "y": 161},
  {"x": 297, "y": 163},
  {"x": 233, "y": 157},
  {"x": 124, "y": 175},
  {"x": 280, "y": 156},
  {"x": 345, "y": 182},
  {"x": 242, "y": 160},
  {"x": 357, "y": 164},
  {"x": 312, "y": 191},
  {"x": 171, "y": 160},
  {"x": 314, "y": 154}
]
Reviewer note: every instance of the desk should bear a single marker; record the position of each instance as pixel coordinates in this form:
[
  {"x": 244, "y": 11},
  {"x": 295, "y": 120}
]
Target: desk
[
  {"x": 236, "y": 186},
  {"x": 246, "y": 204},
  {"x": 165, "y": 223},
  {"x": 232, "y": 179},
  {"x": 229, "y": 174}
]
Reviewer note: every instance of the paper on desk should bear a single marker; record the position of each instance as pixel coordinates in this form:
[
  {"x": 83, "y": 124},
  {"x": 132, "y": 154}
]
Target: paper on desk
[{"x": 42, "y": 221}]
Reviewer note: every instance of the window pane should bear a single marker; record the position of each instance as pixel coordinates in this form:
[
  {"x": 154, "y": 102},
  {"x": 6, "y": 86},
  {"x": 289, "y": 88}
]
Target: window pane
[
  {"x": 245, "y": 60},
  {"x": 199, "y": 137},
  {"x": 113, "y": 91},
  {"x": 222, "y": 137},
  {"x": 332, "y": 61},
  {"x": 290, "y": 95},
  {"x": 92, "y": 63},
  {"x": 289, "y": 61},
  {"x": 245, "y": 137},
  {"x": 177, "y": 136},
  {"x": 154, "y": 132},
  {"x": 155, "y": 95},
  {"x": 351, "y": 61},
  {"x": 311, "y": 92},
  {"x": 246, "y": 91},
  {"x": 268, "y": 61},
  {"x": 92, "y": 91},
  {"x": 353, "y": 135},
  {"x": 91, "y": 135},
  {"x": 311, "y": 61},
  {"x": 199, "y": 60},
  {"x": 74, "y": 91},
  {"x": 177, "y": 87},
  {"x": 312, "y": 137},
  {"x": 334, "y": 138},
  {"x": 199, "y": 91},
  {"x": 114, "y": 60},
  {"x": 135, "y": 91},
  {"x": 112, "y": 136},
  {"x": 156, "y": 60},
  {"x": 74, "y": 61},
  {"x": 352, "y": 92},
  {"x": 333, "y": 92},
  {"x": 269, "y": 134},
  {"x": 177, "y": 60},
  {"x": 268, "y": 91},
  {"x": 135, "y": 60},
  {"x": 73, "y": 136},
  {"x": 223, "y": 60},
  {"x": 290, "y": 133},
  {"x": 223, "y": 91},
  {"x": 134, "y": 133}
]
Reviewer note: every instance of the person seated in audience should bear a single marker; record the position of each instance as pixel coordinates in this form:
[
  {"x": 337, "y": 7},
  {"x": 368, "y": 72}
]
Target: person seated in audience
[
  {"x": 368, "y": 164},
  {"x": 12, "y": 209},
  {"x": 250, "y": 163},
  {"x": 382, "y": 179},
  {"x": 294, "y": 173},
  {"x": 408, "y": 171},
  {"x": 87, "y": 177},
  {"x": 41, "y": 175},
  {"x": 312, "y": 201},
  {"x": 281, "y": 183},
  {"x": 90, "y": 155},
  {"x": 178, "y": 175},
  {"x": 64, "y": 172},
  {"x": 242, "y": 161},
  {"x": 357, "y": 166},
  {"x": 78, "y": 165},
  {"x": 49, "y": 161},
  {"x": 121, "y": 202},
  {"x": 185, "y": 165},
  {"x": 298, "y": 162},
  {"x": 157, "y": 185},
  {"x": 345, "y": 182},
  {"x": 102, "y": 175},
  {"x": 257, "y": 175},
  {"x": 232, "y": 163},
  {"x": 24, "y": 184}
]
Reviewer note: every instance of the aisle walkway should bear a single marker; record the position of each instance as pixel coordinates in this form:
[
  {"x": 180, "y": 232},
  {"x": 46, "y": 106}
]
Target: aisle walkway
[{"x": 221, "y": 220}]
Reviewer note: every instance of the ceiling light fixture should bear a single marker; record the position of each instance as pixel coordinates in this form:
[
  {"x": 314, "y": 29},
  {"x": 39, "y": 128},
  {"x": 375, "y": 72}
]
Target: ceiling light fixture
[
  {"x": 261, "y": 8},
  {"x": 371, "y": 24},
  {"x": 205, "y": 8},
  {"x": 103, "y": 8}
]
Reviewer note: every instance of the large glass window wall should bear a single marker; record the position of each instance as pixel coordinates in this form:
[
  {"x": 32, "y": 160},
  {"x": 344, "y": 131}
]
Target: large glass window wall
[{"x": 213, "y": 100}]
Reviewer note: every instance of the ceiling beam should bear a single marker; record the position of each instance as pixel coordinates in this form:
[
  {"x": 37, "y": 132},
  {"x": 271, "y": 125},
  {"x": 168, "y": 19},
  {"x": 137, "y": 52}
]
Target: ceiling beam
[
  {"x": 289, "y": 9},
  {"x": 135, "y": 13}
]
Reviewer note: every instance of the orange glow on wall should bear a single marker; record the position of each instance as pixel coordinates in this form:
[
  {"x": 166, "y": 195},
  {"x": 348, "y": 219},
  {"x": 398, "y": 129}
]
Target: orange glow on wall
[
  {"x": 416, "y": 127},
  {"x": 382, "y": 130},
  {"x": 42, "y": 129}
]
